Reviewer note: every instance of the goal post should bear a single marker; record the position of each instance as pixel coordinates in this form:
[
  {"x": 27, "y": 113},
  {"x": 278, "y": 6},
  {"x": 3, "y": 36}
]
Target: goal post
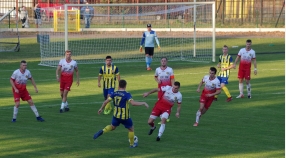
[
  {"x": 9, "y": 37},
  {"x": 117, "y": 29},
  {"x": 72, "y": 20}
]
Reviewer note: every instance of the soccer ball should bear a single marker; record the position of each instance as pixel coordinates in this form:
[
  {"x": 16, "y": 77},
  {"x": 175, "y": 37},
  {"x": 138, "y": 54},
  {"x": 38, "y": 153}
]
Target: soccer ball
[{"x": 135, "y": 139}]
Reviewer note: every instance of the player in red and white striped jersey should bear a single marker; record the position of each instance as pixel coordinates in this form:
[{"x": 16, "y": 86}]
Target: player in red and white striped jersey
[
  {"x": 246, "y": 56},
  {"x": 18, "y": 81},
  {"x": 66, "y": 67},
  {"x": 164, "y": 76},
  {"x": 212, "y": 88},
  {"x": 164, "y": 106}
]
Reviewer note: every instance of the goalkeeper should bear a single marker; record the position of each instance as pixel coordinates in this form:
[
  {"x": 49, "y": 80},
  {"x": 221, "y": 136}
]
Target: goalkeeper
[{"x": 148, "y": 40}]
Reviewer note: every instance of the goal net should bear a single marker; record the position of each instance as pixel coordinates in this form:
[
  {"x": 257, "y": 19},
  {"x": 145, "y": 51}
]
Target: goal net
[
  {"x": 186, "y": 31},
  {"x": 9, "y": 35}
]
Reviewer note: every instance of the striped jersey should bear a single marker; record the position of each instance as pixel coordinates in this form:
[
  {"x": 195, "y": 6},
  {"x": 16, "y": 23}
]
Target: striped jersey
[
  {"x": 225, "y": 61},
  {"x": 109, "y": 74},
  {"x": 121, "y": 101}
]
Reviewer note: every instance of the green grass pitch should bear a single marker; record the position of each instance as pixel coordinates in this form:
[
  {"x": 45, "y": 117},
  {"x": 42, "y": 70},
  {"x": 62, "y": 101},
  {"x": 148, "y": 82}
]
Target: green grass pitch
[{"x": 241, "y": 128}]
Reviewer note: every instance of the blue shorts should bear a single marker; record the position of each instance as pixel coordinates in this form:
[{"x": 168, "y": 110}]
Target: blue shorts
[
  {"x": 107, "y": 91},
  {"x": 127, "y": 123},
  {"x": 223, "y": 79}
]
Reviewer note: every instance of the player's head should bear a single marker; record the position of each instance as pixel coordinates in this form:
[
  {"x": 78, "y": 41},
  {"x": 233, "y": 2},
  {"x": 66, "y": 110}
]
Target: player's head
[
  {"x": 68, "y": 54},
  {"x": 23, "y": 65},
  {"x": 176, "y": 87},
  {"x": 108, "y": 60},
  {"x": 149, "y": 27},
  {"x": 248, "y": 43},
  {"x": 164, "y": 62},
  {"x": 225, "y": 49},
  {"x": 122, "y": 84},
  {"x": 212, "y": 71}
]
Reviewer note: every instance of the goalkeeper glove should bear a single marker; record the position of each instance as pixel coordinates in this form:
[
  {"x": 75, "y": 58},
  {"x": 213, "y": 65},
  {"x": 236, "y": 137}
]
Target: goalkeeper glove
[{"x": 140, "y": 49}]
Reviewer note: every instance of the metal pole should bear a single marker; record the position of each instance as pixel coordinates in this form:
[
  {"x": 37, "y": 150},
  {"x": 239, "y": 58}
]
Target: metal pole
[
  {"x": 242, "y": 6},
  {"x": 9, "y": 20},
  {"x": 66, "y": 27},
  {"x": 223, "y": 11},
  {"x": 261, "y": 13},
  {"x": 279, "y": 15},
  {"x": 213, "y": 33},
  {"x": 194, "y": 19}
]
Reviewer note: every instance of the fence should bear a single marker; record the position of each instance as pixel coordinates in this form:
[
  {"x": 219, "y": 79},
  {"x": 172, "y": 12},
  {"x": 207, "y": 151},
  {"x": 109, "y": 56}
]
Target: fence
[{"x": 229, "y": 13}]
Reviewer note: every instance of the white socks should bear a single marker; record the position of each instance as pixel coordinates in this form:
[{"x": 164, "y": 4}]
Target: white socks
[
  {"x": 161, "y": 130},
  {"x": 248, "y": 87},
  {"x": 35, "y": 110},
  {"x": 240, "y": 86},
  {"x": 63, "y": 105},
  {"x": 198, "y": 116},
  {"x": 15, "y": 112},
  {"x": 66, "y": 104}
]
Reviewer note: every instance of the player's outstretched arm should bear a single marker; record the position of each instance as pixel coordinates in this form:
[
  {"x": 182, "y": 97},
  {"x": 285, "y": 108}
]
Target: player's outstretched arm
[
  {"x": 136, "y": 103},
  {"x": 150, "y": 92},
  {"x": 103, "y": 105}
]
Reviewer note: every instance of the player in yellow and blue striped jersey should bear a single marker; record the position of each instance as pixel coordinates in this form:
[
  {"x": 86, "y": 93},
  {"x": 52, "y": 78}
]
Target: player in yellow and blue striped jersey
[
  {"x": 225, "y": 64},
  {"x": 109, "y": 73},
  {"x": 121, "y": 114}
]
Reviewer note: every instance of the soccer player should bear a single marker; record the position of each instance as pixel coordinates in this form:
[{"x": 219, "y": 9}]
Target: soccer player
[
  {"x": 164, "y": 106},
  {"x": 164, "y": 76},
  {"x": 66, "y": 67},
  {"x": 109, "y": 73},
  {"x": 148, "y": 40},
  {"x": 121, "y": 115},
  {"x": 246, "y": 56},
  {"x": 212, "y": 88},
  {"x": 18, "y": 81},
  {"x": 225, "y": 64}
]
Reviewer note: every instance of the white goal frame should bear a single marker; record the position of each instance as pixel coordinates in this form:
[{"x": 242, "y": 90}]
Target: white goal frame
[{"x": 66, "y": 6}]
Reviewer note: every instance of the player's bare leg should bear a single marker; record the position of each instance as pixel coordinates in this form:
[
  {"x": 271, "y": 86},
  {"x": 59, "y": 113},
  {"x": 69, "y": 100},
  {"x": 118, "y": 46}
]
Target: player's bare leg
[
  {"x": 248, "y": 87},
  {"x": 151, "y": 123},
  {"x": 34, "y": 109},
  {"x": 240, "y": 86},
  {"x": 199, "y": 113},
  {"x": 66, "y": 103},
  {"x": 15, "y": 112},
  {"x": 164, "y": 118}
]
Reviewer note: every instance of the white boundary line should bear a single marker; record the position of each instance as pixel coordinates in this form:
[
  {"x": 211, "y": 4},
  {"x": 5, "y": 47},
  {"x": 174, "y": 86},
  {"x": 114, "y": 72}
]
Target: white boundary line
[{"x": 99, "y": 103}]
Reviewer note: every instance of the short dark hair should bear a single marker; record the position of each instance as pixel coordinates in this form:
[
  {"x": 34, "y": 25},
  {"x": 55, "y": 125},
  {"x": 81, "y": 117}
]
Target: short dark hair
[
  {"x": 177, "y": 83},
  {"x": 108, "y": 57},
  {"x": 213, "y": 69},
  {"x": 68, "y": 51},
  {"x": 248, "y": 41},
  {"x": 225, "y": 46},
  {"x": 122, "y": 84},
  {"x": 164, "y": 58},
  {"x": 23, "y": 61}
]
